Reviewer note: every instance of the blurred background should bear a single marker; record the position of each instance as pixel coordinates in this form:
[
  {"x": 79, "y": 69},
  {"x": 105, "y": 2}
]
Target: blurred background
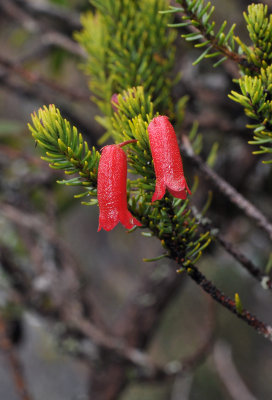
[{"x": 57, "y": 272}]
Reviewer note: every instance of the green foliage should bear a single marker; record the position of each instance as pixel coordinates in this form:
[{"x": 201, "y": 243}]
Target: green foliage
[
  {"x": 169, "y": 219},
  {"x": 257, "y": 105},
  {"x": 135, "y": 111},
  {"x": 268, "y": 266},
  {"x": 127, "y": 45},
  {"x": 256, "y": 84},
  {"x": 65, "y": 149},
  {"x": 254, "y": 61},
  {"x": 238, "y": 303},
  {"x": 123, "y": 54},
  {"x": 196, "y": 14},
  {"x": 259, "y": 26},
  {"x": 195, "y": 138}
]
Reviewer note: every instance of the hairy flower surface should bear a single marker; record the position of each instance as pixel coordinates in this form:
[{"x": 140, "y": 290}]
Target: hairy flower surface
[
  {"x": 112, "y": 189},
  {"x": 167, "y": 159}
]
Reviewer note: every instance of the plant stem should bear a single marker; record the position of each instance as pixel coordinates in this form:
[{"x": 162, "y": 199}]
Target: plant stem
[
  {"x": 228, "y": 190},
  {"x": 217, "y": 295}
]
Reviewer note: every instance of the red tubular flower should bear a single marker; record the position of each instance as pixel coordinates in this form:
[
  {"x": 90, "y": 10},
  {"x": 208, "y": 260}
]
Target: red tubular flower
[
  {"x": 167, "y": 159},
  {"x": 112, "y": 189}
]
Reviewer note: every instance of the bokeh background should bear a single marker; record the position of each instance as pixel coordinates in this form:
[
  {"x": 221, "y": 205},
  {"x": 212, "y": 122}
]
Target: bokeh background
[{"x": 47, "y": 238}]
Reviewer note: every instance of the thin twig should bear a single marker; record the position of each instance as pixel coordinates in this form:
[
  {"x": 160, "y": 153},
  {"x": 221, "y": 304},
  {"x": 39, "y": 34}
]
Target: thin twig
[
  {"x": 15, "y": 12},
  {"x": 229, "y": 374},
  {"x": 44, "y": 42},
  {"x": 36, "y": 79},
  {"x": 225, "y": 50},
  {"x": 14, "y": 154},
  {"x": 70, "y": 313},
  {"x": 14, "y": 363},
  {"x": 22, "y": 11},
  {"x": 263, "y": 278},
  {"x": 180, "y": 367},
  {"x": 68, "y": 309},
  {"x": 243, "y": 260},
  {"x": 44, "y": 95},
  {"x": 229, "y": 191},
  {"x": 220, "y": 297},
  {"x": 57, "y": 39},
  {"x": 216, "y": 294},
  {"x": 70, "y": 270},
  {"x": 69, "y": 19}
]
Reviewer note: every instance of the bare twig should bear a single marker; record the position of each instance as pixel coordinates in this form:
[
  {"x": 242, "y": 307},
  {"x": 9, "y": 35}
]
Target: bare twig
[
  {"x": 14, "y": 363},
  {"x": 25, "y": 12},
  {"x": 36, "y": 79},
  {"x": 229, "y": 374},
  {"x": 263, "y": 278},
  {"x": 15, "y": 12},
  {"x": 57, "y": 39},
  {"x": 220, "y": 297},
  {"x": 44, "y": 95},
  {"x": 15, "y": 154},
  {"x": 223, "y": 49},
  {"x": 131, "y": 332},
  {"x": 70, "y": 313},
  {"x": 127, "y": 347},
  {"x": 70, "y": 271},
  {"x": 69, "y": 309},
  {"x": 44, "y": 42},
  {"x": 229, "y": 191},
  {"x": 29, "y": 221},
  {"x": 180, "y": 367},
  {"x": 69, "y": 19}
]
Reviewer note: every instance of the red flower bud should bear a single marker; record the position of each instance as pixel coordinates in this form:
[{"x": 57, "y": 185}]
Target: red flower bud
[
  {"x": 114, "y": 100},
  {"x": 167, "y": 159},
  {"x": 112, "y": 189}
]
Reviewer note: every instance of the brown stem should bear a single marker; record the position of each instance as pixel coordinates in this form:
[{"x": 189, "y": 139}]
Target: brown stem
[
  {"x": 14, "y": 363},
  {"x": 127, "y": 142},
  {"x": 229, "y": 191},
  {"x": 69, "y": 19},
  {"x": 231, "y": 55},
  {"x": 45, "y": 95},
  {"x": 217, "y": 295},
  {"x": 264, "y": 279},
  {"x": 229, "y": 374},
  {"x": 36, "y": 79},
  {"x": 186, "y": 365}
]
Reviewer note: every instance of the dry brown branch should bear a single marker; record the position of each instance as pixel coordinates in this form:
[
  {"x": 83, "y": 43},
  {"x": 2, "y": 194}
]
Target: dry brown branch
[
  {"x": 69, "y": 19},
  {"x": 45, "y": 42},
  {"x": 67, "y": 306},
  {"x": 227, "y": 190},
  {"x": 47, "y": 97},
  {"x": 132, "y": 330},
  {"x": 125, "y": 340},
  {"x": 37, "y": 80},
  {"x": 229, "y": 374},
  {"x": 221, "y": 298},
  {"x": 232, "y": 56},
  {"x": 71, "y": 314},
  {"x": 13, "y": 362},
  {"x": 177, "y": 368},
  {"x": 62, "y": 282},
  {"x": 242, "y": 259},
  {"x": 263, "y": 278},
  {"x": 15, "y": 12}
]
